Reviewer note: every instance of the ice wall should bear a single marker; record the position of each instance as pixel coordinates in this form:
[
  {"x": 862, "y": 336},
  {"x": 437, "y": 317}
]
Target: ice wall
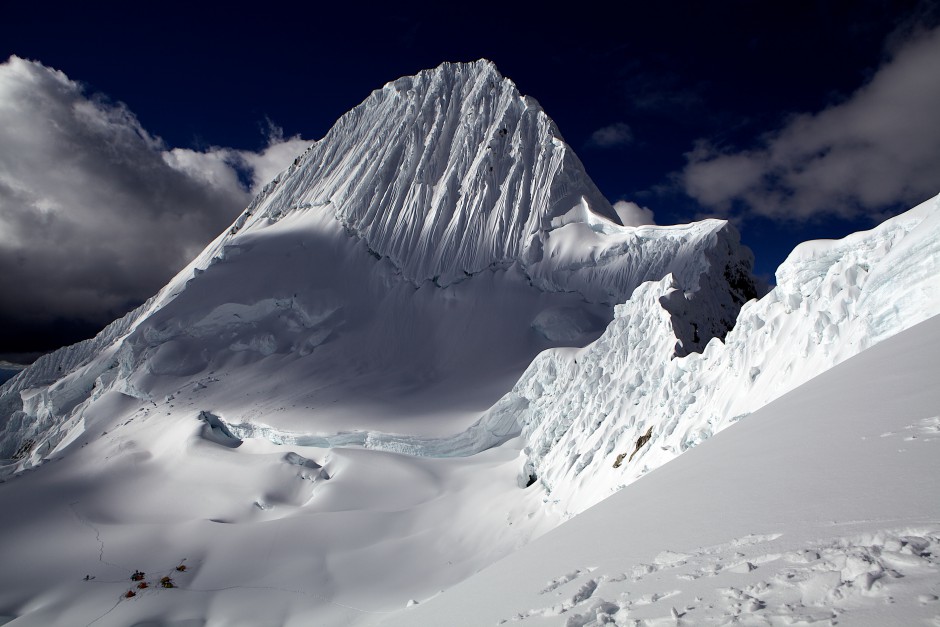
[{"x": 580, "y": 411}]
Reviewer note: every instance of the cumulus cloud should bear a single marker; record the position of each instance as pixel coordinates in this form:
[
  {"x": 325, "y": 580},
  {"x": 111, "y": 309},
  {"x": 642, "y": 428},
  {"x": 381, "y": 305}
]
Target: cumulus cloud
[
  {"x": 220, "y": 167},
  {"x": 611, "y": 136},
  {"x": 632, "y": 214},
  {"x": 877, "y": 149},
  {"x": 95, "y": 212}
]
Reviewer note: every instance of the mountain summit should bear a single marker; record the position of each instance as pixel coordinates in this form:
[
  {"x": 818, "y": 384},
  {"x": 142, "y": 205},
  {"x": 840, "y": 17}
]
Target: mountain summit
[{"x": 446, "y": 173}]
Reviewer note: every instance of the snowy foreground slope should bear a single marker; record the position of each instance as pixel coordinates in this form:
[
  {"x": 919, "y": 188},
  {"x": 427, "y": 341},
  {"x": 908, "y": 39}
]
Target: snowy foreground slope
[
  {"x": 822, "y": 507},
  {"x": 425, "y": 344}
]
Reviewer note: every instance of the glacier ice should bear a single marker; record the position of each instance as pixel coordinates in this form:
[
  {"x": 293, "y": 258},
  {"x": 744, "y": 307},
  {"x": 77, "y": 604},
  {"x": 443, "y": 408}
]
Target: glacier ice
[{"x": 578, "y": 409}]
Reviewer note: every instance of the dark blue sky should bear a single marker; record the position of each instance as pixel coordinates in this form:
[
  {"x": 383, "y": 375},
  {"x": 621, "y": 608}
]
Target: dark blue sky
[{"x": 671, "y": 77}]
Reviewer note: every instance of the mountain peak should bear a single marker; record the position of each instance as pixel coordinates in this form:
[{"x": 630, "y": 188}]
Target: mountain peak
[
  {"x": 481, "y": 69},
  {"x": 445, "y": 173}
]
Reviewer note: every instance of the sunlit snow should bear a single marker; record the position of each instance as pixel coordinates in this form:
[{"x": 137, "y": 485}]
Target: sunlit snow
[{"x": 429, "y": 342}]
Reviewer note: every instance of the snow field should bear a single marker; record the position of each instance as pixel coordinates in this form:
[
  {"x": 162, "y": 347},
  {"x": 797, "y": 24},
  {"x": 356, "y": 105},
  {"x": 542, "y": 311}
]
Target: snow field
[
  {"x": 317, "y": 534},
  {"x": 818, "y": 508}
]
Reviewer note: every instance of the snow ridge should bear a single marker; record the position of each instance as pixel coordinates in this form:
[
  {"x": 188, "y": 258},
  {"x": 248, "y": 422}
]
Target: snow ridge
[
  {"x": 583, "y": 411},
  {"x": 605, "y": 263},
  {"x": 34, "y": 401}
]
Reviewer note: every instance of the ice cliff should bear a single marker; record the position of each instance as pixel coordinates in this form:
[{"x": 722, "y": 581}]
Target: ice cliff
[{"x": 581, "y": 412}]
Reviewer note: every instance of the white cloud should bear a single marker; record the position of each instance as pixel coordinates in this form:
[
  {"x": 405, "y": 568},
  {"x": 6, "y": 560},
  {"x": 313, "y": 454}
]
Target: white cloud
[
  {"x": 632, "y": 214},
  {"x": 95, "y": 212},
  {"x": 268, "y": 163},
  {"x": 611, "y": 136},
  {"x": 878, "y": 148},
  {"x": 219, "y": 167}
]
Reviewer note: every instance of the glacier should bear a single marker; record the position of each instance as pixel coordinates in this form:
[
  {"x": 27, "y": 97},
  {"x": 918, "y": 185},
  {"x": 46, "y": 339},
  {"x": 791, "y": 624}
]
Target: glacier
[
  {"x": 424, "y": 344},
  {"x": 577, "y": 409}
]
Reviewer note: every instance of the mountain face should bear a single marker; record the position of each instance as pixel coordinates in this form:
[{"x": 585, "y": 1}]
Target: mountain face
[
  {"x": 446, "y": 174},
  {"x": 409, "y": 264}
]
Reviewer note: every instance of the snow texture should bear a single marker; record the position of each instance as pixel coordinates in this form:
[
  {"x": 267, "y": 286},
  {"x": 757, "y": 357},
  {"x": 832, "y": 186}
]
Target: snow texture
[{"x": 820, "y": 508}]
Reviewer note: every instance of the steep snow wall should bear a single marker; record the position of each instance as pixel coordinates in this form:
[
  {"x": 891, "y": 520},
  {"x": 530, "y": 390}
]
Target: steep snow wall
[
  {"x": 453, "y": 171},
  {"x": 446, "y": 173},
  {"x": 33, "y": 404},
  {"x": 582, "y": 412}
]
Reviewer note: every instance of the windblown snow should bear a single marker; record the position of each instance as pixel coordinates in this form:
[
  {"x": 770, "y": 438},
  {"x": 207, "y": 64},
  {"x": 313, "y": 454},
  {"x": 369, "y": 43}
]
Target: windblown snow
[{"x": 425, "y": 343}]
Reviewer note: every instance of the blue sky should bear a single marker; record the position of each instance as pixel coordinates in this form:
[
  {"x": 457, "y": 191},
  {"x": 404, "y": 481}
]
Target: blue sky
[{"x": 796, "y": 120}]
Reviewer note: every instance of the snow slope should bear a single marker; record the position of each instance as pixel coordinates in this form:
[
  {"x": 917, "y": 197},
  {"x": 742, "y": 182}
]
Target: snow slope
[{"x": 819, "y": 508}]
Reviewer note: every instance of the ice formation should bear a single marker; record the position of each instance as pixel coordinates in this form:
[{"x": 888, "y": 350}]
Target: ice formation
[{"x": 578, "y": 410}]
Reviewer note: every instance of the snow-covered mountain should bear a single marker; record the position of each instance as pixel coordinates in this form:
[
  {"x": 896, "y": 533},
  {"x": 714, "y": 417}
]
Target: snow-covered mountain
[
  {"x": 413, "y": 261},
  {"x": 425, "y": 343},
  {"x": 577, "y": 410}
]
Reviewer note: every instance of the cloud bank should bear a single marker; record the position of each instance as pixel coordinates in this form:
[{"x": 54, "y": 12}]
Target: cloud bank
[
  {"x": 859, "y": 158},
  {"x": 632, "y": 214},
  {"x": 95, "y": 212}
]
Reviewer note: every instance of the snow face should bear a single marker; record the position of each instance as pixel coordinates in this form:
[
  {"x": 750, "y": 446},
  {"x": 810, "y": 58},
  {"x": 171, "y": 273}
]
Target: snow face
[
  {"x": 818, "y": 508},
  {"x": 582, "y": 412},
  {"x": 447, "y": 173}
]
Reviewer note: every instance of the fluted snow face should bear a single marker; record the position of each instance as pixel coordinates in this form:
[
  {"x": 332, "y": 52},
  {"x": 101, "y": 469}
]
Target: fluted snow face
[
  {"x": 578, "y": 410},
  {"x": 446, "y": 173}
]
